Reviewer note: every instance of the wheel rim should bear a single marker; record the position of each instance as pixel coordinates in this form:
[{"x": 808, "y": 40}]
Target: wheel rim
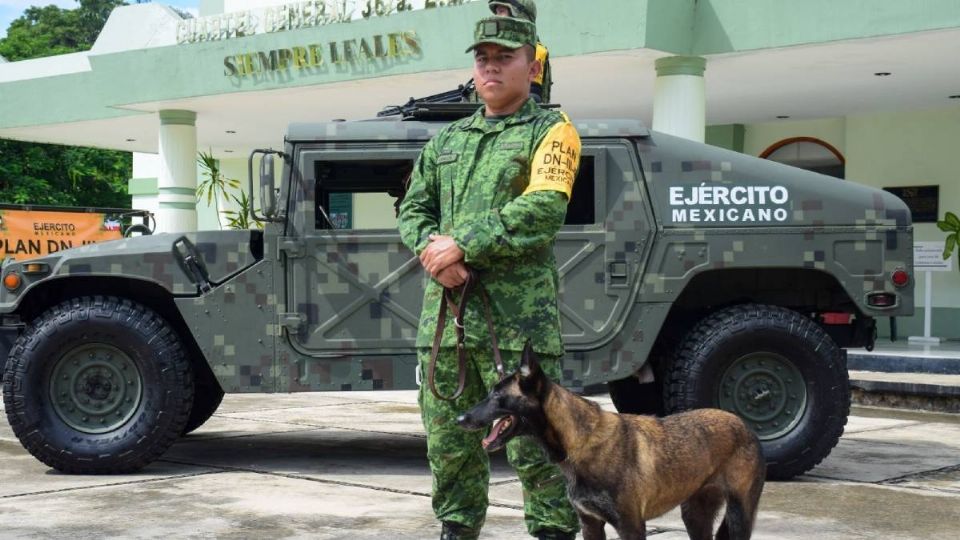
[
  {"x": 95, "y": 388},
  {"x": 767, "y": 391}
]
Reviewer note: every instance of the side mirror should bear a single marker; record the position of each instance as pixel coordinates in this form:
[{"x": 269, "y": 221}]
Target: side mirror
[{"x": 268, "y": 198}]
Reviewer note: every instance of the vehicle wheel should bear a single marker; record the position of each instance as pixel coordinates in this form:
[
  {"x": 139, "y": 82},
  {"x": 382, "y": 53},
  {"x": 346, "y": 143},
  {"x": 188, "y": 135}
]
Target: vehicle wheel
[
  {"x": 98, "y": 385},
  {"x": 630, "y": 396},
  {"x": 776, "y": 369},
  {"x": 206, "y": 399}
]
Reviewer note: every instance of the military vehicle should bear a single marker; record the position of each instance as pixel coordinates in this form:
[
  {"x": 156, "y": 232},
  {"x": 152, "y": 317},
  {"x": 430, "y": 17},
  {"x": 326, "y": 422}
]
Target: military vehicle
[{"x": 692, "y": 276}]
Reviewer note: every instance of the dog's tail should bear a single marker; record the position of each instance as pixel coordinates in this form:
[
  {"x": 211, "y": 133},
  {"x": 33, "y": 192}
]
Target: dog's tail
[{"x": 741, "y": 514}]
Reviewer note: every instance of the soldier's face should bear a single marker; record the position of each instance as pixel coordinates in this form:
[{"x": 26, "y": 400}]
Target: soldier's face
[
  {"x": 503, "y": 75},
  {"x": 503, "y": 12}
]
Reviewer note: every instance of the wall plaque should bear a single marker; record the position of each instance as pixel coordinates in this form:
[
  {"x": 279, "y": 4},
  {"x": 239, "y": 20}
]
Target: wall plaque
[{"x": 923, "y": 201}]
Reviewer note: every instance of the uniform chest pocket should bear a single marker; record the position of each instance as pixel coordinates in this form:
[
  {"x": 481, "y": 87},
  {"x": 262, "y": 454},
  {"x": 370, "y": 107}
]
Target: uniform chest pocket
[
  {"x": 514, "y": 177},
  {"x": 512, "y": 160},
  {"x": 447, "y": 174}
]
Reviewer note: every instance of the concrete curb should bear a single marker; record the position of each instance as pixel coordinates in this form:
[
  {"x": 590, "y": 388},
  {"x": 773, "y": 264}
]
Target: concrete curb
[
  {"x": 907, "y": 388},
  {"x": 895, "y": 363}
]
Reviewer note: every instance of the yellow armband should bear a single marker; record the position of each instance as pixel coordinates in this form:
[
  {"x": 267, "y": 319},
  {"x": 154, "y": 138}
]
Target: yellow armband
[{"x": 556, "y": 160}]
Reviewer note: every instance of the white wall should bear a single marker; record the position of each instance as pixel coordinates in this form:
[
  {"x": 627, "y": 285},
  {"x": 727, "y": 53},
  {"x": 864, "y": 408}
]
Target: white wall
[
  {"x": 759, "y": 137},
  {"x": 146, "y": 166}
]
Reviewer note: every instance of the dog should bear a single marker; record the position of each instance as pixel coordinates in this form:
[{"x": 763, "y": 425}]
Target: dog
[{"x": 625, "y": 469}]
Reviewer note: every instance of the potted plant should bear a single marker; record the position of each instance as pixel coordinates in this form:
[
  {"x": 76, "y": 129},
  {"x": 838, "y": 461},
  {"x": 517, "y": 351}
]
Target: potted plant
[{"x": 216, "y": 187}]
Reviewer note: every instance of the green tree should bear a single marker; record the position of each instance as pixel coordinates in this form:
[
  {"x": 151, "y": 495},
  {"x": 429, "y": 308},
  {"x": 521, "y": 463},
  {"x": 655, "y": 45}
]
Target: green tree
[{"x": 53, "y": 174}]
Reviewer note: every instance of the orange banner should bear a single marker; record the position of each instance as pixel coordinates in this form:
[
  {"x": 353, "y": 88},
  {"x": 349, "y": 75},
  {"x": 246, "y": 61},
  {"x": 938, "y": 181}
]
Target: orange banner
[{"x": 28, "y": 234}]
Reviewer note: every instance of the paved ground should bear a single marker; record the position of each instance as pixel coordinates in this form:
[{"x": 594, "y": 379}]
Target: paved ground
[{"x": 352, "y": 465}]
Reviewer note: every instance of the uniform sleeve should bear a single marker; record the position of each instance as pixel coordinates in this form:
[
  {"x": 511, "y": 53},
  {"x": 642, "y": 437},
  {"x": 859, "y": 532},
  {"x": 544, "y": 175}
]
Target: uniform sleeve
[
  {"x": 532, "y": 220},
  {"x": 419, "y": 215}
]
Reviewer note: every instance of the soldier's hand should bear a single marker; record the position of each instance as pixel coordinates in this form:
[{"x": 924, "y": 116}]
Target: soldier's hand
[
  {"x": 440, "y": 253},
  {"x": 453, "y": 276}
]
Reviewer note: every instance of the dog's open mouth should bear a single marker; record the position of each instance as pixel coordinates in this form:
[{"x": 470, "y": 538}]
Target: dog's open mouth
[{"x": 501, "y": 432}]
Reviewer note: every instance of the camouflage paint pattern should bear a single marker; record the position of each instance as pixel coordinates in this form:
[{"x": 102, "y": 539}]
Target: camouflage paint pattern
[
  {"x": 619, "y": 277},
  {"x": 468, "y": 184},
  {"x": 461, "y": 467},
  {"x": 857, "y": 234},
  {"x": 150, "y": 258},
  {"x": 235, "y": 327}
]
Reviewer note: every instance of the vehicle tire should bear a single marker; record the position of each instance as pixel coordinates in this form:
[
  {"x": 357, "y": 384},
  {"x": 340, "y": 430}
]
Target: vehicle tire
[
  {"x": 630, "y": 396},
  {"x": 206, "y": 399},
  {"x": 776, "y": 369},
  {"x": 98, "y": 385}
]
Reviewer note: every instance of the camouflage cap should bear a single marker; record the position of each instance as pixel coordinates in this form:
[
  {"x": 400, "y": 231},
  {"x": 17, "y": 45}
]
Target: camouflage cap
[
  {"x": 520, "y": 9},
  {"x": 504, "y": 31}
]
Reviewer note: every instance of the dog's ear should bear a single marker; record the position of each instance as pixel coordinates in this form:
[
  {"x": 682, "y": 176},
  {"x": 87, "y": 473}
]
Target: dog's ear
[{"x": 529, "y": 364}]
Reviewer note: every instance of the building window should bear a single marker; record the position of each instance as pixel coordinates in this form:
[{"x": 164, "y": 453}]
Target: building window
[{"x": 808, "y": 153}]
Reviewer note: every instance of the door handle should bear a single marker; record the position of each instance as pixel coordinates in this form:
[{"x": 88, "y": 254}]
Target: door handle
[{"x": 618, "y": 272}]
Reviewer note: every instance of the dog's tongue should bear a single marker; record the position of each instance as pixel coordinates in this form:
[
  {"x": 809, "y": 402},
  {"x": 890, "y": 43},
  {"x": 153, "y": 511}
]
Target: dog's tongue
[{"x": 496, "y": 430}]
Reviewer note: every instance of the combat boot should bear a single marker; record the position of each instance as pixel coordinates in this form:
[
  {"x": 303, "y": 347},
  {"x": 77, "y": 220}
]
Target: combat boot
[
  {"x": 456, "y": 531},
  {"x": 555, "y": 534}
]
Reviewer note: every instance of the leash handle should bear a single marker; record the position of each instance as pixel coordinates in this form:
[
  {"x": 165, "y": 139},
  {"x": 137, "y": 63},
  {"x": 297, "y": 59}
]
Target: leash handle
[{"x": 459, "y": 310}]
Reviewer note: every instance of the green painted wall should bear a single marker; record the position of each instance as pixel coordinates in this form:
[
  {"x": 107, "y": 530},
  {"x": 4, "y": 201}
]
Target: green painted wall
[
  {"x": 142, "y": 186},
  {"x": 730, "y": 136},
  {"x": 374, "y": 211},
  {"x": 569, "y": 27},
  {"x": 914, "y": 148},
  {"x": 723, "y": 26}
]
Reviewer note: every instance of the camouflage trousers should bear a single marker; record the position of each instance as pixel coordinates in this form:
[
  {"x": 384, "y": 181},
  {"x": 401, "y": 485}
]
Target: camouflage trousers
[{"x": 460, "y": 465}]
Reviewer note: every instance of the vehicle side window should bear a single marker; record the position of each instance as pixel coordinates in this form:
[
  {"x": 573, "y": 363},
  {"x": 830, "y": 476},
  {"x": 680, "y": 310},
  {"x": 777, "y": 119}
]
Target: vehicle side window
[
  {"x": 360, "y": 195},
  {"x": 581, "y": 209},
  {"x": 363, "y": 195}
]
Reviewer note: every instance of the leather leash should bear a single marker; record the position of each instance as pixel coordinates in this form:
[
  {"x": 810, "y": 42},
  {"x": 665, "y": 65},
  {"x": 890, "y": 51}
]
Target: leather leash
[{"x": 472, "y": 282}]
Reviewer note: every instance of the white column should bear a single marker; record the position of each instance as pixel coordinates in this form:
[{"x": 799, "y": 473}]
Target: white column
[
  {"x": 143, "y": 186},
  {"x": 680, "y": 97},
  {"x": 177, "y": 182}
]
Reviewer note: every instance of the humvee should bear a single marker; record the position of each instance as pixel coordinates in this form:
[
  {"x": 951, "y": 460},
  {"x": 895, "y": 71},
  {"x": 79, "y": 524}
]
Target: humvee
[{"x": 691, "y": 276}]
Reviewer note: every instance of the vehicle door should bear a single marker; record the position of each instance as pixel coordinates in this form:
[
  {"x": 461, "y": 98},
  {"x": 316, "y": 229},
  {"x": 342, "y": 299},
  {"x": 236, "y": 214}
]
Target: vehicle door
[
  {"x": 604, "y": 245},
  {"x": 351, "y": 284}
]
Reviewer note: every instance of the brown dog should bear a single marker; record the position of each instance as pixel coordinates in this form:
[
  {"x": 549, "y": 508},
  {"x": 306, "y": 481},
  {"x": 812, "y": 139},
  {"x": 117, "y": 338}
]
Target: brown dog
[{"x": 624, "y": 469}]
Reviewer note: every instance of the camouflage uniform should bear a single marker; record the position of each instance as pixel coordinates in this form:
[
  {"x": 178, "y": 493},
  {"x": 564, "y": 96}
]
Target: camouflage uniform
[
  {"x": 461, "y": 467},
  {"x": 481, "y": 183},
  {"x": 469, "y": 184},
  {"x": 527, "y": 9}
]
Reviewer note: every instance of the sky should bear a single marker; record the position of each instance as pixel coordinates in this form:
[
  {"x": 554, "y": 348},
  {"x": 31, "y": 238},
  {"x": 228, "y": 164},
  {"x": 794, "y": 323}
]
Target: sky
[{"x": 12, "y": 9}]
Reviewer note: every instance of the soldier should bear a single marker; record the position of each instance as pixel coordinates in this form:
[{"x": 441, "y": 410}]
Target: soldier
[
  {"x": 490, "y": 191},
  {"x": 527, "y": 9}
]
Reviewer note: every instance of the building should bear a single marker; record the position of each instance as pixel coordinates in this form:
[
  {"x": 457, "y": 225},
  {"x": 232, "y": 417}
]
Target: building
[{"x": 866, "y": 91}]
